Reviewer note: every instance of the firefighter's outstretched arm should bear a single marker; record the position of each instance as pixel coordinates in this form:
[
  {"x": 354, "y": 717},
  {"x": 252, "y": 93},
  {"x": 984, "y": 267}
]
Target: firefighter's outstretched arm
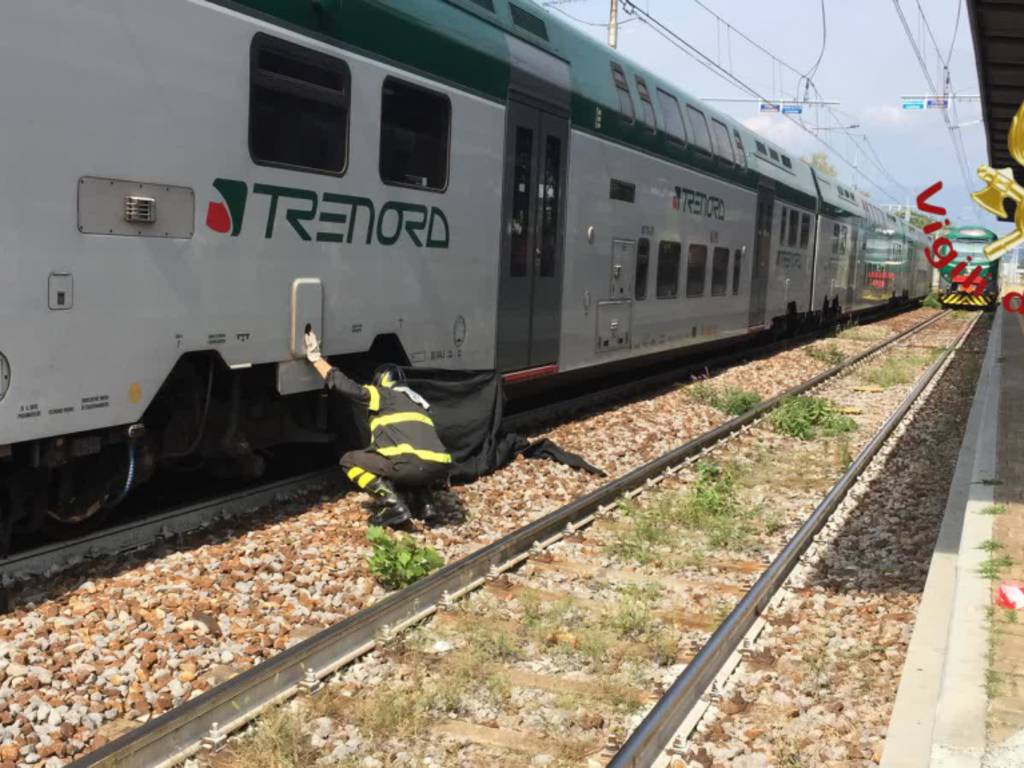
[{"x": 335, "y": 379}]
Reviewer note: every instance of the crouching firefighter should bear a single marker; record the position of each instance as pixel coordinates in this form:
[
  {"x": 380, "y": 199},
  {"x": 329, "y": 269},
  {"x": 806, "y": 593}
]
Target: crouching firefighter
[{"x": 406, "y": 460}]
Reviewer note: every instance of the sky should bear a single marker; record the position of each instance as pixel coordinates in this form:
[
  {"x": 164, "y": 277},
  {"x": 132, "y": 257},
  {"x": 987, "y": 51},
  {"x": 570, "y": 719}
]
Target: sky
[{"x": 868, "y": 64}]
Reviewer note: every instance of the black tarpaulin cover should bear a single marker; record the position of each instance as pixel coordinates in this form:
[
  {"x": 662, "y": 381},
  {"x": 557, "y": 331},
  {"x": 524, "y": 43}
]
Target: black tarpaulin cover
[{"x": 467, "y": 408}]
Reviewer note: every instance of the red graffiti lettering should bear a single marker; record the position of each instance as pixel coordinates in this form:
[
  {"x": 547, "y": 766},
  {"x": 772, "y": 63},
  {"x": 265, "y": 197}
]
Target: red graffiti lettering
[
  {"x": 1014, "y": 302},
  {"x": 924, "y": 205}
]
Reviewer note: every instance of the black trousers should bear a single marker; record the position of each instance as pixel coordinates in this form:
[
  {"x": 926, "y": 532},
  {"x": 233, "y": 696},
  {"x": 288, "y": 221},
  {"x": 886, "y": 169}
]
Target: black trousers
[{"x": 363, "y": 467}]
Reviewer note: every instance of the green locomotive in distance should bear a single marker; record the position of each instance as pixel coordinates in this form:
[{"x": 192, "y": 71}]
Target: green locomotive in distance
[{"x": 954, "y": 290}]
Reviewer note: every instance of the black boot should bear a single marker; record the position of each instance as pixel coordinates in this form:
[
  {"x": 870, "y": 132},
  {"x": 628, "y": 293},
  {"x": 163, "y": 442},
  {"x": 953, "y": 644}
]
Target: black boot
[
  {"x": 392, "y": 510},
  {"x": 422, "y": 505}
]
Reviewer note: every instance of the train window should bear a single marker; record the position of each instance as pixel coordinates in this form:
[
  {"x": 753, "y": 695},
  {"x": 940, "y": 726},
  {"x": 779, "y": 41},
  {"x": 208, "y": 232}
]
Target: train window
[
  {"x": 696, "y": 270},
  {"x": 737, "y": 261},
  {"x": 701, "y": 135},
  {"x": 787, "y": 162},
  {"x": 761, "y": 148},
  {"x": 415, "y": 126},
  {"x": 774, "y": 155},
  {"x": 622, "y": 190},
  {"x": 523, "y": 19},
  {"x": 298, "y": 107},
  {"x": 720, "y": 272},
  {"x": 741, "y": 153},
  {"x": 794, "y": 226},
  {"x": 722, "y": 144},
  {"x": 669, "y": 254},
  {"x": 835, "y": 239},
  {"x": 805, "y": 229},
  {"x": 521, "y": 183},
  {"x": 782, "y": 227},
  {"x": 674, "y": 125},
  {"x": 844, "y": 231},
  {"x": 622, "y": 88},
  {"x": 643, "y": 259},
  {"x": 646, "y": 105}
]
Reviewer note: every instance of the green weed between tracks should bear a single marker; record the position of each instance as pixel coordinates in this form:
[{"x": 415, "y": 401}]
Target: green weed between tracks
[
  {"x": 730, "y": 400},
  {"x": 899, "y": 370},
  {"x": 932, "y": 302},
  {"x": 827, "y": 353},
  {"x": 397, "y": 562},
  {"x": 809, "y": 417},
  {"x": 710, "y": 506}
]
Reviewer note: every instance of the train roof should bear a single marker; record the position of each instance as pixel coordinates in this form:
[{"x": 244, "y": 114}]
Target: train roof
[
  {"x": 470, "y": 43},
  {"x": 980, "y": 234}
]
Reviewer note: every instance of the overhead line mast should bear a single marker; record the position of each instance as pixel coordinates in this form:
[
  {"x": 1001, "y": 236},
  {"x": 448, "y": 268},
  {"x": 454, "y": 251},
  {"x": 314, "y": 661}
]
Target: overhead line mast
[{"x": 613, "y": 25}]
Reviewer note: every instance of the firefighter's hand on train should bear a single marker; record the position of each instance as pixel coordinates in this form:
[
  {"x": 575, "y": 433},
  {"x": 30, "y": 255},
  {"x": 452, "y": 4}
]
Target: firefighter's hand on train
[{"x": 312, "y": 346}]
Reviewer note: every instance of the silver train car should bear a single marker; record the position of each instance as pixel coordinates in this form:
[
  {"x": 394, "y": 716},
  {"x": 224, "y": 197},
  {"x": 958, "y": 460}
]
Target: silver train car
[{"x": 459, "y": 184}]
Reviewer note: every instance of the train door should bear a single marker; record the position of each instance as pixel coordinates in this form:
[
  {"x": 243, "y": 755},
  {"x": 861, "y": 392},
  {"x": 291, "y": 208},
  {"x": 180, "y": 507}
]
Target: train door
[
  {"x": 762, "y": 256},
  {"x": 533, "y": 226},
  {"x": 852, "y": 242}
]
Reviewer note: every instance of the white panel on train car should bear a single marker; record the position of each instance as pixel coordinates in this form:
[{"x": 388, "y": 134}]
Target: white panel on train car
[
  {"x": 613, "y": 325},
  {"x": 307, "y": 312},
  {"x": 623, "y": 268},
  {"x": 135, "y": 209}
]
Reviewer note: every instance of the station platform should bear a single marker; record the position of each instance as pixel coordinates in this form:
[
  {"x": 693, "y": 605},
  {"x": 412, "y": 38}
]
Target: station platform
[{"x": 961, "y": 697}]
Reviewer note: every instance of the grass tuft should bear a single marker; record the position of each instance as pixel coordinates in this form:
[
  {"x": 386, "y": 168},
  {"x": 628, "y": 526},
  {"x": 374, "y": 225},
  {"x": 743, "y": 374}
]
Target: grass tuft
[
  {"x": 710, "y": 506},
  {"x": 932, "y": 301},
  {"x": 278, "y": 740},
  {"x": 898, "y": 370},
  {"x": 993, "y": 509},
  {"x": 809, "y": 417},
  {"x": 992, "y": 567},
  {"x": 827, "y": 353},
  {"x": 731, "y": 400}
]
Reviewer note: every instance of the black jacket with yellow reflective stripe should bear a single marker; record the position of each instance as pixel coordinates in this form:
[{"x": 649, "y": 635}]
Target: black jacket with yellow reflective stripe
[{"x": 399, "y": 425}]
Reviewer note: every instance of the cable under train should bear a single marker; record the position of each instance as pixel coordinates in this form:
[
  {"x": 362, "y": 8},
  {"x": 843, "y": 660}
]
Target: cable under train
[{"x": 455, "y": 184}]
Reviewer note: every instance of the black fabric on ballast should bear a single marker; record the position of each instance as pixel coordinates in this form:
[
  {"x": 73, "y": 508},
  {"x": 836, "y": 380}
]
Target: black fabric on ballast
[{"x": 467, "y": 409}]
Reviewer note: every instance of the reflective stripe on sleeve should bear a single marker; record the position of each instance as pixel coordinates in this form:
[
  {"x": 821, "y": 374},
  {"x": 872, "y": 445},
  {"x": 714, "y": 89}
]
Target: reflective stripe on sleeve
[
  {"x": 407, "y": 450},
  {"x": 374, "y": 397},
  {"x": 398, "y": 418}
]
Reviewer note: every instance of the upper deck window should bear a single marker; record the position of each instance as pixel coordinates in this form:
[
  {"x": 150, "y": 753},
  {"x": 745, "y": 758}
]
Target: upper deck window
[
  {"x": 701, "y": 134},
  {"x": 787, "y": 162},
  {"x": 774, "y": 155},
  {"x": 761, "y": 148},
  {"x": 298, "y": 107},
  {"x": 646, "y": 105},
  {"x": 674, "y": 125},
  {"x": 741, "y": 153},
  {"x": 722, "y": 144},
  {"x": 523, "y": 19},
  {"x": 622, "y": 88},
  {"x": 415, "y": 125}
]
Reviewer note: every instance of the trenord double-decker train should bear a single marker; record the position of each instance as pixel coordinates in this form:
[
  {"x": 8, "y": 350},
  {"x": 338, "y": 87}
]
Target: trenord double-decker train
[{"x": 457, "y": 184}]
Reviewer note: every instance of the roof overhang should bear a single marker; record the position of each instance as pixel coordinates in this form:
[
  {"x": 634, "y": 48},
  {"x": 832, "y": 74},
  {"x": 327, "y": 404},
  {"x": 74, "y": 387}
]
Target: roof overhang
[{"x": 998, "y": 30}]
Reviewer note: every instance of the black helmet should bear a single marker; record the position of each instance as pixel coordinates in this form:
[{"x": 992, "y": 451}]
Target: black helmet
[{"x": 388, "y": 376}]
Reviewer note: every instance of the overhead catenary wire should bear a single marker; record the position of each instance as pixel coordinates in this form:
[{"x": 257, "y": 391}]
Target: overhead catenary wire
[
  {"x": 708, "y": 62},
  {"x": 957, "y": 140}
]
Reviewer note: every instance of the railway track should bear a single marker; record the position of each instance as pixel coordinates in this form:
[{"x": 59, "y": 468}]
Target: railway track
[
  {"x": 504, "y": 577},
  {"x": 142, "y": 533}
]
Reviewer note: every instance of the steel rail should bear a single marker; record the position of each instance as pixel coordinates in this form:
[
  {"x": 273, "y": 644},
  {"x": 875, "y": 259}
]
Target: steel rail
[
  {"x": 206, "y": 719},
  {"x": 147, "y": 531},
  {"x": 657, "y": 731}
]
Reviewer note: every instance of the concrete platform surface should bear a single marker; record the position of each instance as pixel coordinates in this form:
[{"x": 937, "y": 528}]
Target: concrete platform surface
[{"x": 960, "y": 702}]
